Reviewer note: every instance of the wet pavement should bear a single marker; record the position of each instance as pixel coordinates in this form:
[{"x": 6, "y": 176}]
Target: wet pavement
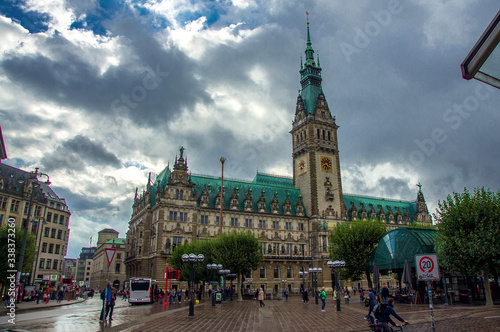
[
  {"x": 296, "y": 316},
  {"x": 75, "y": 317},
  {"x": 288, "y": 316}
]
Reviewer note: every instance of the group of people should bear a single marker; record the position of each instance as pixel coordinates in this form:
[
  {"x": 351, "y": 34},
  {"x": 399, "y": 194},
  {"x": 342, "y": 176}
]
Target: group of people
[{"x": 387, "y": 304}]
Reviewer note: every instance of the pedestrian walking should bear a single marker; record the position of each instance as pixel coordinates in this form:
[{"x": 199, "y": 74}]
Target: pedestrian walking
[
  {"x": 261, "y": 298},
  {"x": 305, "y": 296},
  {"x": 346, "y": 296},
  {"x": 361, "y": 296},
  {"x": 110, "y": 301},
  {"x": 179, "y": 294},
  {"x": 186, "y": 295},
  {"x": 286, "y": 294},
  {"x": 385, "y": 294},
  {"x": 322, "y": 294},
  {"x": 372, "y": 302}
]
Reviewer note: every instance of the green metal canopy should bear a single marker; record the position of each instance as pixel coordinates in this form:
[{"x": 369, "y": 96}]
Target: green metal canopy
[{"x": 400, "y": 244}]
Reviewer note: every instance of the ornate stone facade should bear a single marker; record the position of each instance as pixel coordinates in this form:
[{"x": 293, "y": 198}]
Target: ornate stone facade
[{"x": 290, "y": 216}]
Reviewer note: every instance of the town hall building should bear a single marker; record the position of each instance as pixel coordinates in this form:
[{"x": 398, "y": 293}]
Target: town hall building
[{"x": 290, "y": 216}]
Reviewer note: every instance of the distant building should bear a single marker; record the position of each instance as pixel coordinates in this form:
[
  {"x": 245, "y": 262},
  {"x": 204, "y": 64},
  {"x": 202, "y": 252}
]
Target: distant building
[
  {"x": 84, "y": 265},
  {"x": 69, "y": 268},
  {"x": 48, "y": 221},
  {"x": 108, "y": 239}
]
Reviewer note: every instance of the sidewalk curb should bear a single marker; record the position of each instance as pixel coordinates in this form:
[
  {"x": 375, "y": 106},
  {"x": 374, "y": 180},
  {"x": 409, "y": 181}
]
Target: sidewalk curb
[{"x": 41, "y": 306}]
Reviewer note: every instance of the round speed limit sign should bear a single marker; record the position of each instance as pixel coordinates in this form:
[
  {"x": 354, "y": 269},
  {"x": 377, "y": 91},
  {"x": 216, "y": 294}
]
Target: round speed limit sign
[
  {"x": 426, "y": 264},
  {"x": 427, "y": 267}
]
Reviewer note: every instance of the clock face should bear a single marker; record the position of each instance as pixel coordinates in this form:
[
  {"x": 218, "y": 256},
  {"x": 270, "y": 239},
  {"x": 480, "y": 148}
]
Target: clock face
[
  {"x": 302, "y": 165},
  {"x": 326, "y": 164}
]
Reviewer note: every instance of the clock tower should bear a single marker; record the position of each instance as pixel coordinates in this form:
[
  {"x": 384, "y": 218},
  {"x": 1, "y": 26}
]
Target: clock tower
[{"x": 316, "y": 168}]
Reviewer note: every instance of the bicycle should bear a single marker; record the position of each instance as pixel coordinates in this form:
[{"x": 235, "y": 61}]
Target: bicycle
[{"x": 376, "y": 327}]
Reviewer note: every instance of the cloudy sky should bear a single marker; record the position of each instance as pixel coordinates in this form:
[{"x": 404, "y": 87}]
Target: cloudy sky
[{"x": 100, "y": 93}]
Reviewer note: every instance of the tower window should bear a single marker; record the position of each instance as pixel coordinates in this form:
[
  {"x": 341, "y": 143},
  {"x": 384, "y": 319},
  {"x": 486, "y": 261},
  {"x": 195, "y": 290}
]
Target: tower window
[
  {"x": 317, "y": 132},
  {"x": 328, "y": 135},
  {"x": 323, "y": 134}
]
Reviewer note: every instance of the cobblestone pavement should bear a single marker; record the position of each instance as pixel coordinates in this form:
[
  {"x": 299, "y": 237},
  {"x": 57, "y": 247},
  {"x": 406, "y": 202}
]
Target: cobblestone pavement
[{"x": 295, "y": 316}]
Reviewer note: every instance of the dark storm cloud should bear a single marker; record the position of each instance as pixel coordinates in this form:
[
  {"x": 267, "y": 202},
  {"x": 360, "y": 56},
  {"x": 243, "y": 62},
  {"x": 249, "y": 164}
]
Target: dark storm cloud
[
  {"x": 79, "y": 202},
  {"x": 150, "y": 91},
  {"x": 75, "y": 153},
  {"x": 395, "y": 187}
]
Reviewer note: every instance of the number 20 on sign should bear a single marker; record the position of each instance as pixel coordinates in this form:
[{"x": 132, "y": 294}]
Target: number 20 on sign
[{"x": 427, "y": 267}]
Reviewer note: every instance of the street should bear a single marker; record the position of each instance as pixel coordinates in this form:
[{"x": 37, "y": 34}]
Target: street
[
  {"x": 82, "y": 316},
  {"x": 291, "y": 315}
]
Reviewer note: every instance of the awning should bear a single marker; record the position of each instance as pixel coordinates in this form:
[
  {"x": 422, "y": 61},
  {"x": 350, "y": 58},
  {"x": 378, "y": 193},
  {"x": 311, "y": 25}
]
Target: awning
[{"x": 400, "y": 244}]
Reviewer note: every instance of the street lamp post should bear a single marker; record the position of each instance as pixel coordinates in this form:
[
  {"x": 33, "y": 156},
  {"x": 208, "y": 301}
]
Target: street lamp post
[
  {"x": 284, "y": 284},
  {"x": 33, "y": 176},
  {"x": 303, "y": 275},
  {"x": 335, "y": 265},
  {"x": 192, "y": 259},
  {"x": 223, "y": 273},
  {"x": 314, "y": 275},
  {"x": 214, "y": 268}
]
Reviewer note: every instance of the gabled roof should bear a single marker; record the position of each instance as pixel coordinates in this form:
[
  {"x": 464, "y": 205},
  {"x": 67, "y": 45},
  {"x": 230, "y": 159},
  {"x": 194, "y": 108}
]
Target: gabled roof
[
  {"x": 377, "y": 202},
  {"x": 265, "y": 185}
]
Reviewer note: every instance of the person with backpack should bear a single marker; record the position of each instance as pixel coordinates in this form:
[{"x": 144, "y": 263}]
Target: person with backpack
[
  {"x": 385, "y": 316},
  {"x": 371, "y": 302}
]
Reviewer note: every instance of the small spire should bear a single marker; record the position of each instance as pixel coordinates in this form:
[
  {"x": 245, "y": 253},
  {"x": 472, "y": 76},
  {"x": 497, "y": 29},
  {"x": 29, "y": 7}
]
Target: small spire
[
  {"x": 301, "y": 66},
  {"x": 318, "y": 59}
]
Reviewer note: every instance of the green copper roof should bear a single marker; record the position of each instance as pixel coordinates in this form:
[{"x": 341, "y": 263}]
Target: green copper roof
[
  {"x": 400, "y": 244},
  {"x": 310, "y": 77},
  {"x": 264, "y": 185},
  {"x": 359, "y": 201},
  {"x": 117, "y": 241}
]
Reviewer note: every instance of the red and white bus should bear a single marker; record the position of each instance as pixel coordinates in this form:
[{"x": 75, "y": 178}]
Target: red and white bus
[{"x": 141, "y": 290}]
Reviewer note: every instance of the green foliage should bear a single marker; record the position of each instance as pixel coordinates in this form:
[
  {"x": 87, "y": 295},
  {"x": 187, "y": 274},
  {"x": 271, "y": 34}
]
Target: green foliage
[
  {"x": 238, "y": 251},
  {"x": 29, "y": 252},
  {"x": 468, "y": 240},
  {"x": 354, "y": 242},
  {"x": 204, "y": 247}
]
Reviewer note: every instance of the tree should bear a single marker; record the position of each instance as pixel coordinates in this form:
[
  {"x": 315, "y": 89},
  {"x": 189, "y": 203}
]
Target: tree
[
  {"x": 238, "y": 252},
  {"x": 204, "y": 247},
  {"x": 354, "y": 242},
  {"x": 29, "y": 253},
  {"x": 468, "y": 240}
]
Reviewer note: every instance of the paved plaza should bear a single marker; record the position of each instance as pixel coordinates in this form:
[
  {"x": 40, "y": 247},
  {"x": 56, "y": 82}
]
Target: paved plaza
[{"x": 293, "y": 315}]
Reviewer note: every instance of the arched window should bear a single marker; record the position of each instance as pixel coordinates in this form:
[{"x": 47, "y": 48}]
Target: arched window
[
  {"x": 181, "y": 194},
  {"x": 262, "y": 272},
  {"x": 289, "y": 272},
  {"x": 276, "y": 272},
  {"x": 176, "y": 193}
]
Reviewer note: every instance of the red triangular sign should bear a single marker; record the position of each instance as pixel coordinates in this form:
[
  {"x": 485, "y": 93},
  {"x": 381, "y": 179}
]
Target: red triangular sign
[{"x": 110, "y": 254}]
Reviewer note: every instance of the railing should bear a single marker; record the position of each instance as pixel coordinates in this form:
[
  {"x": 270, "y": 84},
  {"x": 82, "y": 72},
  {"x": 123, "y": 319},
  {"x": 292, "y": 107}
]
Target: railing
[{"x": 286, "y": 257}]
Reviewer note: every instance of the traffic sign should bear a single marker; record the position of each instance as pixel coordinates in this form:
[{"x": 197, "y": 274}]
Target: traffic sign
[
  {"x": 110, "y": 254},
  {"x": 427, "y": 267}
]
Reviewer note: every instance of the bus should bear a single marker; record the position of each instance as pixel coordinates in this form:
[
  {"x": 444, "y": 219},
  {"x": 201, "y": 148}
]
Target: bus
[{"x": 141, "y": 290}]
